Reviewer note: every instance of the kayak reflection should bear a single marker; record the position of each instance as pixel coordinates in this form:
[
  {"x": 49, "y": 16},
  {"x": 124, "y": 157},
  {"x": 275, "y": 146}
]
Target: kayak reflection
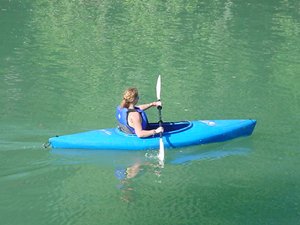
[{"x": 210, "y": 155}]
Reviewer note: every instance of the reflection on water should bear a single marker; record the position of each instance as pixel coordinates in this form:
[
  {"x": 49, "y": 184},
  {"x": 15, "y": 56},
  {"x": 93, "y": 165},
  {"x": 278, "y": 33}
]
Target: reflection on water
[
  {"x": 130, "y": 168},
  {"x": 102, "y": 157},
  {"x": 126, "y": 166},
  {"x": 211, "y": 155},
  {"x": 128, "y": 175}
]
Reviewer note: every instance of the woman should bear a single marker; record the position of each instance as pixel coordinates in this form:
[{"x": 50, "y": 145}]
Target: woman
[{"x": 132, "y": 118}]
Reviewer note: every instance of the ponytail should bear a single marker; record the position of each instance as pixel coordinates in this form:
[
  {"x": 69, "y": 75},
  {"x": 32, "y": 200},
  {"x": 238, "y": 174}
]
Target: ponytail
[{"x": 124, "y": 104}]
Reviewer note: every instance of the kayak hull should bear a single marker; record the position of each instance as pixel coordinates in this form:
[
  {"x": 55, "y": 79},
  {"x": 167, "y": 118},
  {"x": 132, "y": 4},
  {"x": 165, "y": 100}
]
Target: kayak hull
[{"x": 177, "y": 134}]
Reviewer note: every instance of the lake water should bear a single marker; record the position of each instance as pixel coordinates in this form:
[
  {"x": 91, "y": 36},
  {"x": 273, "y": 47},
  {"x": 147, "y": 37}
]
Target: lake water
[{"x": 63, "y": 68}]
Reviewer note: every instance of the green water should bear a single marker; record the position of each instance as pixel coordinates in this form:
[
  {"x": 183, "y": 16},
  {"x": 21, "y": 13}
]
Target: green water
[{"x": 63, "y": 67}]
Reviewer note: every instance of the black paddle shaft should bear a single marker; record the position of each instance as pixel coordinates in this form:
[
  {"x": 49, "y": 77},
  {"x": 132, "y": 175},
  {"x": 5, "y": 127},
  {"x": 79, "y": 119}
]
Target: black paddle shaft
[{"x": 160, "y": 119}]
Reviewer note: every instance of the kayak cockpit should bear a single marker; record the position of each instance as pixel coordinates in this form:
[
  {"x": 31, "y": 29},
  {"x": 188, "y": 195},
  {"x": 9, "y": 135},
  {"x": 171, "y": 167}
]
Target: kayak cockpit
[
  {"x": 173, "y": 127},
  {"x": 169, "y": 127}
]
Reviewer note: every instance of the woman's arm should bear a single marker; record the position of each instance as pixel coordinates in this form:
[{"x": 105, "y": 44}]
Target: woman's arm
[
  {"x": 135, "y": 121},
  {"x": 149, "y": 105}
]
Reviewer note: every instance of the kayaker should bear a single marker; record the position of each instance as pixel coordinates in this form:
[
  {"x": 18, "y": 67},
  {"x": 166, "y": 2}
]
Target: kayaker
[{"x": 132, "y": 118}]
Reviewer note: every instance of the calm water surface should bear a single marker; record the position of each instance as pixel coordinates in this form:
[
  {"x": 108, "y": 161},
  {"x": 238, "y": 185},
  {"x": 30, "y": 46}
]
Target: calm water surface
[{"x": 63, "y": 68}]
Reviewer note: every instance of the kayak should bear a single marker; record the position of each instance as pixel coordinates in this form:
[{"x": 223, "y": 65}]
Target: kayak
[{"x": 176, "y": 135}]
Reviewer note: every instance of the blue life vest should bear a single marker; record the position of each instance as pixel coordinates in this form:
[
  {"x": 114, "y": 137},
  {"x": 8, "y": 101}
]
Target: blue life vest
[{"x": 122, "y": 117}]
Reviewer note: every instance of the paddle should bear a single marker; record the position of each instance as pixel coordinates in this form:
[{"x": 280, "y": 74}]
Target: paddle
[{"x": 161, "y": 153}]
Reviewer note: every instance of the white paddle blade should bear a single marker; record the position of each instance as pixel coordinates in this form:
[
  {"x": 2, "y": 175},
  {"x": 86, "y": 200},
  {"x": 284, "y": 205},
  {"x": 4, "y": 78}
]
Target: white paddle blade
[
  {"x": 158, "y": 87},
  {"x": 161, "y": 153}
]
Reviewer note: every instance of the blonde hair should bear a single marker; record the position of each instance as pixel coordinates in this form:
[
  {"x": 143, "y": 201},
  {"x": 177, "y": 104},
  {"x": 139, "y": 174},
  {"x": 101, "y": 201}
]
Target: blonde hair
[{"x": 129, "y": 96}]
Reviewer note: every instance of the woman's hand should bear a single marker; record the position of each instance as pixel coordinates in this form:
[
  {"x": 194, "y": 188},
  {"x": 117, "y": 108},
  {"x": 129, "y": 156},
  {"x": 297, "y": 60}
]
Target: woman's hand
[
  {"x": 156, "y": 104},
  {"x": 159, "y": 130}
]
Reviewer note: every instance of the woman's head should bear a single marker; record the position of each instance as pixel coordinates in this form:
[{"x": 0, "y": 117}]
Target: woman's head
[{"x": 130, "y": 96}]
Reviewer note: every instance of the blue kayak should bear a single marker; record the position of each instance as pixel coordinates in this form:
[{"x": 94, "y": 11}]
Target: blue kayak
[{"x": 176, "y": 134}]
